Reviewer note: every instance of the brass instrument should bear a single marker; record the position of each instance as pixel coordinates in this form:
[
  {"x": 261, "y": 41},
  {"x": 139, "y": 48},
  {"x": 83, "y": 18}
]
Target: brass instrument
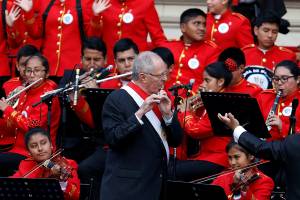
[
  {"x": 273, "y": 109},
  {"x": 191, "y": 103}
]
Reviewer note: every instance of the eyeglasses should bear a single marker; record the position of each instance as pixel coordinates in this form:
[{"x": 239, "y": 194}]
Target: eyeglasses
[
  {"x": 159, "y": 76},
  {"x": 35, "y": 71},
  {"x": 283, "y": 79}
]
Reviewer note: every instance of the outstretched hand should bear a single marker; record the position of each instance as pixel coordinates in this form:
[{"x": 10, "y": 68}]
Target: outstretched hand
[
  {"x": 99, "y": 6},
  {"x": 13, "y": 15},
  {"x": 229, "y": 120}
]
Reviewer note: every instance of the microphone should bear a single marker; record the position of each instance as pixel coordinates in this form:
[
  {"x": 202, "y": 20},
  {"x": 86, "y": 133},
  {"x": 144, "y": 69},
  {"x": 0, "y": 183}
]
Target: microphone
[
  {"x": 295, "y": 103},
  {"x": 103, "y": 73},
  {"x": 76, "y": 87},
  {"x": 188, "y": 86}
]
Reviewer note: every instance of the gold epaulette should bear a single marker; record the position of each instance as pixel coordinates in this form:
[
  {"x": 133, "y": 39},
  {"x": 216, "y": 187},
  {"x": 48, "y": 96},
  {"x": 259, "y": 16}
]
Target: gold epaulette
[
  {"x": 285, "y": 49},
  {"x": 211, "y": 43},
  {"x": 239, "y": 15},
  {"x": 269, "y": 91},
  {"x": 51, "y": 83},
  {"x": 252, "y": 85},
  {"x": 248, "y": 46},
  {"x": 15, "y": 79}
]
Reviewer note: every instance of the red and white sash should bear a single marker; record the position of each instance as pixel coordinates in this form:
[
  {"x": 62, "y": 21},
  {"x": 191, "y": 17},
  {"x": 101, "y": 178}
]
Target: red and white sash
[{"x": 153, "y": 116}]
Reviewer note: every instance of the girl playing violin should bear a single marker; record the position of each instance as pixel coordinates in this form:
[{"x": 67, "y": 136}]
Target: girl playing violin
[
  {"x": 244, "y": 183},
  {"x": 40, "y": 149}
]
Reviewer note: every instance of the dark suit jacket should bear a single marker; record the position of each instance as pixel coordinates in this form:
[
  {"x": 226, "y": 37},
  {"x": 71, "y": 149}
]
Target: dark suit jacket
[
  {"x": 136, "y": 164},
  {"x": 286, "y": 151}
]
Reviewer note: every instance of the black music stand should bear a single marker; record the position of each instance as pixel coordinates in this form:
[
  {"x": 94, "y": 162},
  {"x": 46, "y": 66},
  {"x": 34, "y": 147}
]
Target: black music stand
[
  {"x": 96, "y": 97},
  {"x": 242, "y": 106},
  {"x": 30, "y": 189},
  {"x": 177, "y": 190},
  {"x": 79, "y": 135}
]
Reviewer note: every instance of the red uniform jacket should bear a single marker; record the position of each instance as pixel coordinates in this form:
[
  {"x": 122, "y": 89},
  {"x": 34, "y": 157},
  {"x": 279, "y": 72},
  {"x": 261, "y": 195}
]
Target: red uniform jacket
[
  {"x": 190, "y": 61},
  {"x": 269, "y": 59},
  {"x": 112, "y": 84},
  {"x": 133, "y": 19},
  {"x": 25, "y": 116},
  {"x": 61, "y": 25},
  {"x": 84, "y": 112},
  {"x": 73, "y": 183},
  {"x": 231, "y": 30},
  {"x": 260, "y": 189},
  {"x": 212, "y": 148},
  {"x": 244, "y": 87},
  {"x": 266, "y": 101},
  {"x": 13, "y": 38}
]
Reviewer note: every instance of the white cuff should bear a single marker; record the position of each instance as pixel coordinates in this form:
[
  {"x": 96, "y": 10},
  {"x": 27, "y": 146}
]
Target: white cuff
[
  {"x": 140, "y": 121},
  {"x": 238, "y": 132}
]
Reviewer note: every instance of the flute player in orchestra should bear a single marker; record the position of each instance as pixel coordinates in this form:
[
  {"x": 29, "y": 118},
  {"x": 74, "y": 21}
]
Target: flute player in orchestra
[{"x": 25, "y": 116}]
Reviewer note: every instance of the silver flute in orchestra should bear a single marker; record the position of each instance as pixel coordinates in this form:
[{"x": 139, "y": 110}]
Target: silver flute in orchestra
[
  {"x": 273, "y": 109},
  {"x": 13, "y": 100},
  {"x": 102, "y": 80},
  {"x": 114, "y": 77}
]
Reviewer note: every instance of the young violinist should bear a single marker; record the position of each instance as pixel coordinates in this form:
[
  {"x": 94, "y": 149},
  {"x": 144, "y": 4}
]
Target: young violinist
[
  {"x": 244, "y": 183},
  {"x": 39, "y": 146}
]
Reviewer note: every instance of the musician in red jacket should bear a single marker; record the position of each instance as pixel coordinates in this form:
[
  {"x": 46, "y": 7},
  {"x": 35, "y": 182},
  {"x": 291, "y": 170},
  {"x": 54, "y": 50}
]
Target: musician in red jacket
[
  {"x": 227, "y": 28},
  {"x": 211, "y": 157},
  {"x": 25, "y": 116},
  {"x": 40, "y": 148},
  {"x": 244, "y": 183},
  {"x": 285, "y": 80},
  {"x": 23, "y": 54},
  {"x": 235, "y": 59},
  {"x": 125, "y": 51},
  {"x": 134, "y": 19},
  {"x": 265, "y": 53},
  {"x": 192, "y": 52},
  {"x": 56, "y": 22}
]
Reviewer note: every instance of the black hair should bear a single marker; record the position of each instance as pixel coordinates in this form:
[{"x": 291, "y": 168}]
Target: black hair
[
  {"x": 35, "y": 131},
  {"x": 234, "y": 53},
  {"x": 27, "y": 50},
  {"x": 267, "y": 17},
  {"x": 165, "y": 54},
  {"x": 291, "y": 66},
  {"x": 191, "y": 13},
  {"x": 219, "y": 70},
  {"x": 42, "y": 58},
  {"x": 125, "y": 44},
  {"x": 94, "y": 43},
  {"x": 233, "y": 144}
]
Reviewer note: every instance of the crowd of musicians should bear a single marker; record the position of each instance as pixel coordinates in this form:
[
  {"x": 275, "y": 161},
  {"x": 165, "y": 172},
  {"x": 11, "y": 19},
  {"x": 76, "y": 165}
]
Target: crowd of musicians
[{"x": 56, "y": 55}]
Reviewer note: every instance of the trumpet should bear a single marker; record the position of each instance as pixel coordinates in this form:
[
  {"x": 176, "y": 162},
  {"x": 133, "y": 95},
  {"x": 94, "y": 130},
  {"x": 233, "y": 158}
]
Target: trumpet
[
  {"x": 273, "y": 109},
  {"x": 192, "y": 103}
]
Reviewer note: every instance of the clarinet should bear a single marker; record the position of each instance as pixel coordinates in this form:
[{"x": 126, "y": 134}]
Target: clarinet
[{"x": 273, "y": 109}]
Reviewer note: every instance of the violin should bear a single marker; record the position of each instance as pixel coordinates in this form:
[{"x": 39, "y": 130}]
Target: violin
[
  {"x": 242, "y": 180},
  {"x": 57, "y": 167}
]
